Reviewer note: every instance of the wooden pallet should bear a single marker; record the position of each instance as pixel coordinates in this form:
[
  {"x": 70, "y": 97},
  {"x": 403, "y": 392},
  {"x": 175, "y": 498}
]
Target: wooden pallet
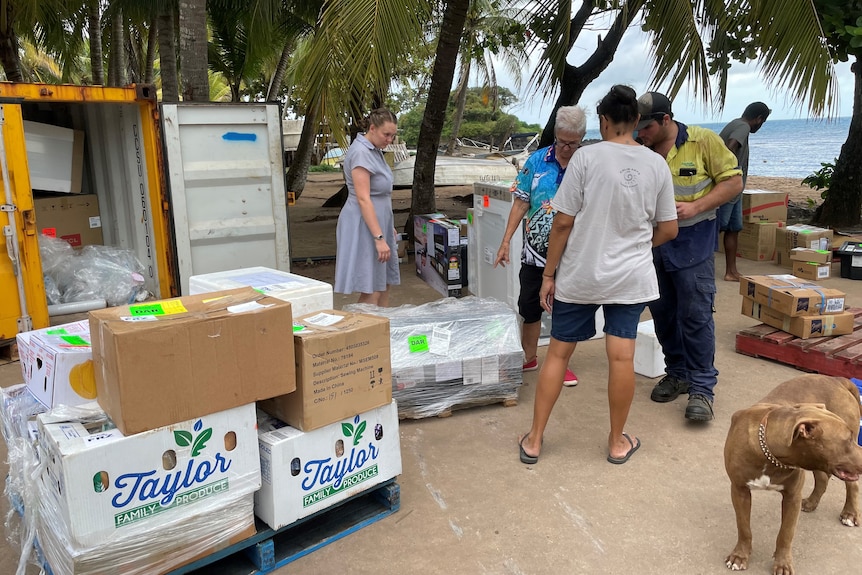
[
  {"x": 837, "y": 355},
  {"x": 269, "y": 550},
  {"x": 8, "y": 351}
]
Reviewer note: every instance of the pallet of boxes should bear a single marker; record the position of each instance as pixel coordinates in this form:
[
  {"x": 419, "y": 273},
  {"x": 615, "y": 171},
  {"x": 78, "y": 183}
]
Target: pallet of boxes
[{"x": 156, "y": 432}]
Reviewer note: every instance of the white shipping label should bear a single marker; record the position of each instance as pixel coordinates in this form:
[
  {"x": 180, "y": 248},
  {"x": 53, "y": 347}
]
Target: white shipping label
[
  {"x": 490, "y": 369},
  {"x": 834, "y": 304},
  {"x": 472, "y": 371},
  {"x": 447, "y": 371},
  {"x": 407, "y": 378},
  {"x": 440, "y": 339},
  {"x": 95, "y": 222},
  {"x": 246, "y": 307},
  {"x": 489, "y": 255},
  {"x": 856, "y": 261},
  {"x": 323, "y": 319},
  {"x": 822, "y": 272}
]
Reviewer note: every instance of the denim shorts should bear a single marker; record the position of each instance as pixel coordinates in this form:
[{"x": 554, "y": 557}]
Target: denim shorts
[
  {"x": 572, "y": 322},
  {"x": 730, "y": 215}
]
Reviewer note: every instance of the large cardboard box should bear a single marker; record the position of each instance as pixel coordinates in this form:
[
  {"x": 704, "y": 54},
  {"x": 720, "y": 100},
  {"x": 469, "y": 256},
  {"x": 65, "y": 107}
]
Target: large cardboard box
[
  {"x": 810, "y": 255},
  {"x": 799, "y": 236},
  {"x": 802, "y": 327},
  {"x": 440, "y": 253},
  {"x": 55, "y": 157},
  {"x": 305, "y": 472},
  {"x": 791, "y": 295},
  {"x": 166, "y": 361},
  {"x": 757, "y": 241},
  {"x": 764, "y": 206},
  {"x": 75, "y": 219},
  {"x": 105, "y": 484},
  {"x": 811, "y": 270},
  {"x": 343, "y": 367}
]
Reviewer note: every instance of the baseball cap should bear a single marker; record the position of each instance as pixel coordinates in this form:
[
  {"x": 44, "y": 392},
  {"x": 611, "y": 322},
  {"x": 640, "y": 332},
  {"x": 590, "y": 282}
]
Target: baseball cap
[{"x": 651, "y": 106}]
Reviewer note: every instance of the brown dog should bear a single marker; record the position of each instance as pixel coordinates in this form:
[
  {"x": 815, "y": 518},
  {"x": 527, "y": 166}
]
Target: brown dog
[{"x": 809, "y": 422}]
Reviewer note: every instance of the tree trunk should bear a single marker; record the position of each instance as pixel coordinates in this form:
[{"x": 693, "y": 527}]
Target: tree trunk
[
  {"x": 117, "y": 59},
  {"x": 152, "y": 40},
  {"x": 297, "y": 174},
  {"x": 9, "y": 56},
  {"x": 423, "y": 201},
  {"x": 280, "y": 69},
  {"x": 94, "y": 27},
  {"x": 193, "y": 50},
  {"x": 842, "y": 207},
  {"x": 576, "y": 78},
  {"x": 460, "y": 104},
  {"x": 168, "y": 53}
]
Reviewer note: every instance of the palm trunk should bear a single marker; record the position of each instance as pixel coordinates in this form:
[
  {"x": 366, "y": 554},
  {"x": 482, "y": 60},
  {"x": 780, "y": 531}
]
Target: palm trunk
[
  {"x": 297, "y": 174},
  {"x": 117, "y": 59},
  {"x": 94, "y": 27},
  {"x": 842, "y": 207},
  {"x": 152, "y": 40},
  {"x": 193, "y": 50},
  {"x": 280, "y": 69},
  {"x": 168, "y": 53},
  {"x": 452, "y": 29},
  {"x": 460, "y": 104}
]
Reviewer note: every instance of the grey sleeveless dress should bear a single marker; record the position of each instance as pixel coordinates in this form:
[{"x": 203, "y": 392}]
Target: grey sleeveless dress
[{"x": 356, "y": 265}]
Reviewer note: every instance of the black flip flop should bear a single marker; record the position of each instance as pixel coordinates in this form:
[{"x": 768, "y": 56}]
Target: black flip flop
[
  {"x": 525, "y": 458},
  {"x": 624, "y": 458}
]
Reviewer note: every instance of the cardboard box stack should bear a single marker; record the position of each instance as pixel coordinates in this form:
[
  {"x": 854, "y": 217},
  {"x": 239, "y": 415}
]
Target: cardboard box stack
[
  {"x": 763, "y": 213},
  {"x": 451, "y": 354},
  {"x": 440, "y": 249},
  {"x": 795, "y": 305},
  {"x": 799, "y": 236},
  {"x": 811, "y": 264}
]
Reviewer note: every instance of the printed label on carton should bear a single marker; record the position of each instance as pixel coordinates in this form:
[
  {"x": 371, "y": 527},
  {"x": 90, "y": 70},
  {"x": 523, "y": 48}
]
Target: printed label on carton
[{"x": 323, "y": 319}]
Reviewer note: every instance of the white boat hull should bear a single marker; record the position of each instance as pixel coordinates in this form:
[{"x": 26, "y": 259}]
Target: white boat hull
[{"x": 457, "y": 171}]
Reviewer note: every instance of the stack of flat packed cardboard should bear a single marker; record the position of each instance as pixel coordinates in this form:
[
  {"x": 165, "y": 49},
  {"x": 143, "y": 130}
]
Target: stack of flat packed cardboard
[{"x": 796, "y": 306}]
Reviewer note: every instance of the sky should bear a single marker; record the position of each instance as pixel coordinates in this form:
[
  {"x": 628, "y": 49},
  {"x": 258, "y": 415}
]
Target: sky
[{"x": 632, "y": 66}]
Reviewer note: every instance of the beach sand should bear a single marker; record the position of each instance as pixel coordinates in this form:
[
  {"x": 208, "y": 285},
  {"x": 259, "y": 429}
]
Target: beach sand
[{"x": 312, "y": 227}]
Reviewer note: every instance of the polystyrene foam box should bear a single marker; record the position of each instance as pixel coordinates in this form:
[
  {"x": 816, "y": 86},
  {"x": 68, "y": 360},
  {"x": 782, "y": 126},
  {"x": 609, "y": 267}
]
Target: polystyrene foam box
[
  {"x": 306, "y": 295},
  {"x": 649, "y": 359},
  {"x": 304, "y": 472}
]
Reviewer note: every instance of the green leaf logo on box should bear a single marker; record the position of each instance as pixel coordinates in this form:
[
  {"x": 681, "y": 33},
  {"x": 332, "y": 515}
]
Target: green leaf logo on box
[
  {"x": 185, "y": 438},
  {"x": 355, "y": 433}
]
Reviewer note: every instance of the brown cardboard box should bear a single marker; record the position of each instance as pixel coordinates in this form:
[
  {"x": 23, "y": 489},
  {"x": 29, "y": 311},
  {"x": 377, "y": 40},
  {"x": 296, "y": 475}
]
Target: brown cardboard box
[
  {"x": 757, "y": 241},
  {"x": 55, "y": 157},
  {"x": 343, "y": 367},
  {"x": 764, "y": 206},
  {"x": 162, "y": 362},
  {"x": 802, "y": 327},
  {"x": 72, "y": 218},
  {"x": 809, "y": 255},
  {"x": 811, "y": 270},
  {"x": 791, "y": 295},
  {"x": 799, "y": 236}
]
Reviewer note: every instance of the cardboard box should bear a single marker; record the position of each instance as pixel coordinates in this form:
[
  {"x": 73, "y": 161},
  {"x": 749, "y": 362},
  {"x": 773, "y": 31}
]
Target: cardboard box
[
  {"x": 649, "y": 359},
  {"x": 802, "y": 327},
  {"x": 757, "y": 241},
  {"x": 791, "y": 295},
  {"x": 305, "y": 472},
  {"x": 55, "y": 157},
  {"x": 171, "y": 360},
  {"x": 75, "y": 219},
  {"x": 764, "y": 206},
  {"x": 440, "y": 253},
  {"x": 811, "y": 270},
  {"x": 343, "y": 367},
  {"x": 105, "y": 484},
  {"x": 810, "y": 255},
  {"x": 799, "y": 236}
]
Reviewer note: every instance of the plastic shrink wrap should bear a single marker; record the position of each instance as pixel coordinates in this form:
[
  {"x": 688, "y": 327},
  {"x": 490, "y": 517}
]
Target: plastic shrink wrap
[
  {"x": 106, "y": 507},
  {"x": 451, "y": 354}
]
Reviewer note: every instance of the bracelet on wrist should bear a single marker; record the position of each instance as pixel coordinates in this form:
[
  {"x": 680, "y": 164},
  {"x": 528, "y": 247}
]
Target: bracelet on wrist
[{"x": 548, "y": 276}]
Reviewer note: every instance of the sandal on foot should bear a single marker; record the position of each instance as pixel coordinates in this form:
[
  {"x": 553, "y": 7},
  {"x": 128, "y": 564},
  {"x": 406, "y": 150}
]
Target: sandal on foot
[
  {"x": 624, "y": 458},
  {"x": 525, "y": 457}
]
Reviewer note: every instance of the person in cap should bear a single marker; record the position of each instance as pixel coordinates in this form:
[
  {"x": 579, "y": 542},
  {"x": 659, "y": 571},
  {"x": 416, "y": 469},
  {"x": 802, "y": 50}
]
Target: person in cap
[
  {"x": 705, "y": 175},
  {"x": 532, "y": 191},
  {"x": 735, "y": 136}
]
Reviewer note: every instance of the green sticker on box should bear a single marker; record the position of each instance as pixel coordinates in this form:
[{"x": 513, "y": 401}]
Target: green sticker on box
[
  {"x": 297, "y": 327},
  {"x": 75, "y": 340},
  {"x": 470, "y": 218},
  {"x": 59, "y": 331},
  {"x": 417, "y": 343},
  {"x": 147, "y": 309}
]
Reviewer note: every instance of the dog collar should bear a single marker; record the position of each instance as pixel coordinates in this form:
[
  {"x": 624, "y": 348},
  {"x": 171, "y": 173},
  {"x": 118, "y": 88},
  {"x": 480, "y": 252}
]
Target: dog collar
[{"x": 761, "y": 437}]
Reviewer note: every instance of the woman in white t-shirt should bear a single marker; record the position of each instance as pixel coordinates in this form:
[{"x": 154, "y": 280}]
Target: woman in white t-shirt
[{"x": 614, "y": 205}]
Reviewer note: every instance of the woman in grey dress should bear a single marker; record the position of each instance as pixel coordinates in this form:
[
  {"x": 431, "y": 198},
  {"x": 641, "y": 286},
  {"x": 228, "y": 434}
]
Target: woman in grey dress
[{"x": 365, "y": 259}]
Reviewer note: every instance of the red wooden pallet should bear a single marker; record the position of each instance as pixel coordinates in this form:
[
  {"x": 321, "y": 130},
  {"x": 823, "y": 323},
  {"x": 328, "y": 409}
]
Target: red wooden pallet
[{"x": 839, "y": 355}]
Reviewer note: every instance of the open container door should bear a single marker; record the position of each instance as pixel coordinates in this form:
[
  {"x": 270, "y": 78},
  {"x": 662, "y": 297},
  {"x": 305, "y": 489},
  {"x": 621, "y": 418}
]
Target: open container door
[
  {"x": 22, "y": 305},
  {"x": 225, "y": 172}
]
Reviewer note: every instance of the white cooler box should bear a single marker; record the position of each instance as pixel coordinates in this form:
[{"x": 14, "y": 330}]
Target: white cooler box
[
  {"x": 649, "y": 360},
  {"x": 306, "y": 295},
  {"x": 490, "y": 212}
]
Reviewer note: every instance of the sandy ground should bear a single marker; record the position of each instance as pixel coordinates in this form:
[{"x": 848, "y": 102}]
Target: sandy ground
[{"x": 312, "y": 227}]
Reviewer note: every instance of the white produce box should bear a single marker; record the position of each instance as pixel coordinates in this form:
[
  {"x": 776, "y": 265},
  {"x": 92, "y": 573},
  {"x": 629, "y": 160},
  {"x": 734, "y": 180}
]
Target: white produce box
[
  {"x": 306, "y": 295},
  {"x": 649, "y": 359},
  {"x": 304, "y": 472}
]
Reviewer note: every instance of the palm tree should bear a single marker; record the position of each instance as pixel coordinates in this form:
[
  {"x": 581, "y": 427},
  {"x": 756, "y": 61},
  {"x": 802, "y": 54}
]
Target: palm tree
[{"x": 193, "y": 50}]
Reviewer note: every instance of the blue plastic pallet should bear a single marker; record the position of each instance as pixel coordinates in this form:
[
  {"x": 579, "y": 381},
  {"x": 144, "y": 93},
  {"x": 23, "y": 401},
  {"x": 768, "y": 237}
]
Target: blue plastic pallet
[{"x": 271, "y": 549}]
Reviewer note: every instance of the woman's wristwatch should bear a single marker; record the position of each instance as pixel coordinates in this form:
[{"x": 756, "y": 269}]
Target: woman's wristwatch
[{"x": 380, "y": 237}]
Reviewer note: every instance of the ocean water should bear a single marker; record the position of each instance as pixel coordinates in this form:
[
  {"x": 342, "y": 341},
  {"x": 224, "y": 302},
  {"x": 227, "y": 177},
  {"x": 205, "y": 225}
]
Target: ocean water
[{"x": 788, "y": 148}]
